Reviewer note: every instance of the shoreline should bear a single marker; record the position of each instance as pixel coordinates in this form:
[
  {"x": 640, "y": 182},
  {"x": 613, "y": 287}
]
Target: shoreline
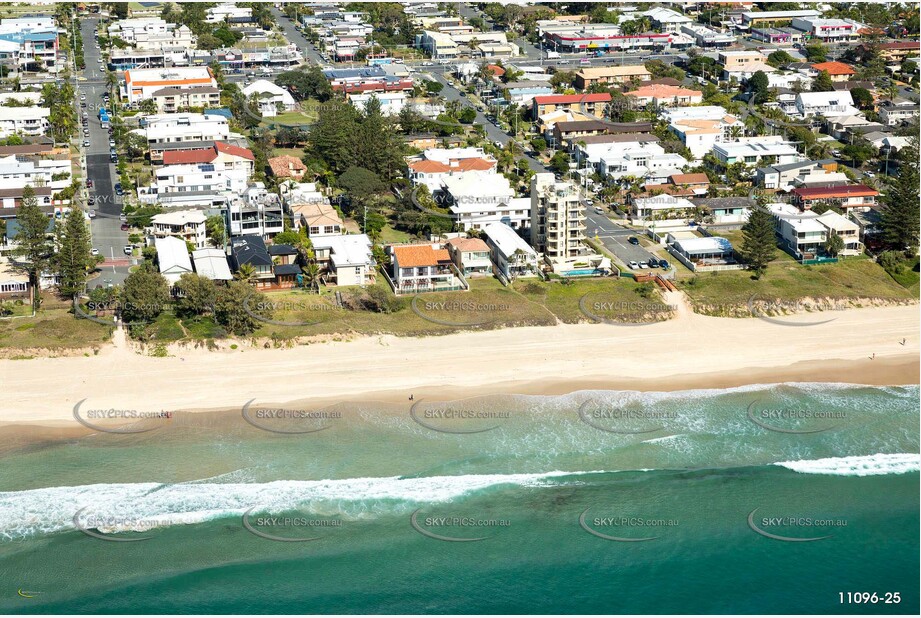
[{"x": 861, "y": 346}]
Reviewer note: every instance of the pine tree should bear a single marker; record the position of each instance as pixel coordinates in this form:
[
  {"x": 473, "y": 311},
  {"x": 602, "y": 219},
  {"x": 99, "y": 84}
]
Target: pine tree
[
  {"x": 33, "y": 244},
  {"x": 73, "y": 259},
  {"x": 900, "y": 216},
  {"x": 759, "y": 244}
]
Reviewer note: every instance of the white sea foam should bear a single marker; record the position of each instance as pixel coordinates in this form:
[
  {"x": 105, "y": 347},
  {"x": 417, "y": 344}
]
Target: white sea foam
[
  {"x": 141, "y": 506},
  {"x": 865, "y": 465}
]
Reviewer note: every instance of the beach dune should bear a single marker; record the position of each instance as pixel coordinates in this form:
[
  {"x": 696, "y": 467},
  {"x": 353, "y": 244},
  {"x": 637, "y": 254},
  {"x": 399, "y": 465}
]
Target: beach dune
[{"x": 863, "y": 346}]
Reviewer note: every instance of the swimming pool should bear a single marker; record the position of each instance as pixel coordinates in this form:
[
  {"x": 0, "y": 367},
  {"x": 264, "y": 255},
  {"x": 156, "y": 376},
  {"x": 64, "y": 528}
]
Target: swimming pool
[{"x": 581, "y": 272}]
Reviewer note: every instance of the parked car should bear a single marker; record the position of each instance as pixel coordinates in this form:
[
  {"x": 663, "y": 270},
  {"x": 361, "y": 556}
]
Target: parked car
[
  {"x": 563, "y": 62},
  {"x": 128, "y": 250},
  {"x": 644, "y": 265},
  {"x": 598, "y": 210},
  {"x": 89, "y": 183},
  {"x": 653, "y": 263},
  {"x": 118, "y": 188},
  {"x": 633, "y": 265},
  {"x": 91, "y": 201},
  {"x": 92, "y": 215},
  {"x": 86, "y": 143},
  {"x": 633, "y": 240},
  {"x": 111, "y": 143},
  {"x": 123, "y": 218},
  {"x": 125, "y": 227},
  {"x": 94, "y": 251},
  {"x": 664, "y": 264}
]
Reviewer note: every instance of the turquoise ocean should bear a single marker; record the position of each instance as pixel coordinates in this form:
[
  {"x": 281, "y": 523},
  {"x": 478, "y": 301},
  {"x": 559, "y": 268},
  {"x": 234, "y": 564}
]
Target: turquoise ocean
[{"x": 787, "y": 498}]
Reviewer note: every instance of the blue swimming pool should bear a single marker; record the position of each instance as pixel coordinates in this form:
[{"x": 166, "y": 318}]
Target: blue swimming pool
[{"x": 581, "y": 272}]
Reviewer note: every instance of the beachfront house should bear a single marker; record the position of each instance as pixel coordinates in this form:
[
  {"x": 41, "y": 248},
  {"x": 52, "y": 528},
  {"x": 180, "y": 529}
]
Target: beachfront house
[
  {"x": 424, "y": 268},
  {"x": 511, "y": 255}
]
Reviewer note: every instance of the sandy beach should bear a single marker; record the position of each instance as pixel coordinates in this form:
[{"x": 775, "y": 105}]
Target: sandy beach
[{"x": 863, "y": 346}]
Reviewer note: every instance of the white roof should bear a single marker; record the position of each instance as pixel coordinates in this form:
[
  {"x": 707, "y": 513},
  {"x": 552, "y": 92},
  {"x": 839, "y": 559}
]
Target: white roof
[
  {"x": 444, "y": 155},
  {"x": 833, "y": 220},
  {"x": 472, "y": 185},
  {"x": 23, "y": 113},
  {"x": 507, "y": 240},
  {"x": 212, "y": 263},
  {"x": 817, "y": 99},
  {"x": 179, "y": 217},
  {"x": 663, "y": 15},
  {"x": 264, "y": 86},
  {"x": 702, "y": 112},
  {"x": 346, "y": 249},
  {"x": 710, "y": 244},
  {"x": 173, "y": 256}
]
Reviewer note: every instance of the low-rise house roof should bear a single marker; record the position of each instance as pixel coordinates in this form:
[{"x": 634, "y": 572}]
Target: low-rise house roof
[
  {"x": 414, "y": 256},
  {"x": 468, "y": 244},
  {"x": 566, "y": 99},
  {"x": 818, "y": 193},
  {"x": 286, "y": 166},
  {"x": 835, "y": 68},
  {"x": 212, "y": 264}
]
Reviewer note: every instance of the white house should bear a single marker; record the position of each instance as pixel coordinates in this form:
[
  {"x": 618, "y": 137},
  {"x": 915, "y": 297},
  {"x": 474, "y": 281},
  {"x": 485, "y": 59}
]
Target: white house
[
  {"x": 347, "y": 258},
  {"x": 479, "y": 198},
  {"x": 188, "y": 225},
  {"x": 272, "y": 98},
  {"x": 212, "y": 264},
  {"x": 699, "y": 136},
  {"x": 189, "y": 127},
  {"x": 757, "y": 152},
  {"x": 828, "y": 104},
  {"x": 172, "y": 258},
  {"x": 256, "y": 212},
  {"x": 511, "y": 255},
  {"x": 16, "y": 174},
  {"x": 391, "y": 102}
]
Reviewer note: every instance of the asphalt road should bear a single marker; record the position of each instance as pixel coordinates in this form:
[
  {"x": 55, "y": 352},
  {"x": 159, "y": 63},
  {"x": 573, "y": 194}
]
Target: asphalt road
[
  {"x": 614, "y": 237},
  {"x": 108, "y": 237}
]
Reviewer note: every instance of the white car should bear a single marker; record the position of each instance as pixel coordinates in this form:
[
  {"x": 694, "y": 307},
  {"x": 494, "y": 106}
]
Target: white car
[
  {"x": 86, "y": 143},
  {"x": 92, "y": 214},
  {"x": 869, "y": 174},
  {"x": 633, "y": 265},
  {"x": 94, "y": 251},
  {"x": 563, "y": 62}
]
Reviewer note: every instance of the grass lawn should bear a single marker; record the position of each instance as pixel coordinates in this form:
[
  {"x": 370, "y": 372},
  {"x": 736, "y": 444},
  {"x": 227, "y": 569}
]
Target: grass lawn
[
  {"x": 53, "y": 328},
  {"x": 909, "y": 277},
  {"x": 391, "y": 235},
  {"x": 487, "y": 305},
  {"x": 307, "y": 113},
  {"x": 728, "y": 293}
]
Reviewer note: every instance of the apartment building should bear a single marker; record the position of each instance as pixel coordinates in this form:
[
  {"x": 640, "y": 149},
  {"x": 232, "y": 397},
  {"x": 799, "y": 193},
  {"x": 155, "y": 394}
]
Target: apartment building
[
  {"x": 140, "y": 84},
  {"x": 29, "y": 43},
  {"x": 754, "y": 153},
  {"x": 256, "y": 212},
  {"x": 586, "y": 78},
  {"x": 166, "y": 129},
  {"x": 152, "y": 33},
  {"x": 557, "y": 219},
  {"x": 845, "y": 197},
  {"x": 51, "y": 173},
  {"x": 23, "y": 121},
  {"x": 172, "y": 99},
  {"x": 662, "y": 95},
  {"x": 589, "y": 104}
]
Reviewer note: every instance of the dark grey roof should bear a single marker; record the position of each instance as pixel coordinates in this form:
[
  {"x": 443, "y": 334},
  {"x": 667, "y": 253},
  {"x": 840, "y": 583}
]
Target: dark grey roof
[
  {"x": 616, "y": 138},
  {"x": 287, "y": 269},
  {"x": 724, "y": 202},
  {"x": 250, "y": 250},
  {"x": 282, "y": 250},
  {"x": 795, "y": 166}
]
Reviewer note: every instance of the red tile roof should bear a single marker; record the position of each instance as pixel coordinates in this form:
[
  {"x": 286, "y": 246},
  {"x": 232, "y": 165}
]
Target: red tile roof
[
  {"x": 818, "y": 193},
  {"x": 835, "y": 68},
  {"x": 564, "y": 99},
  {"x": 472, "y": 164},
  {"x": 690, "y": 179},
  {"x": 413, "y": 256},
  {"x": 205, "y": 155},
  {"x": 237, "y": 151}
]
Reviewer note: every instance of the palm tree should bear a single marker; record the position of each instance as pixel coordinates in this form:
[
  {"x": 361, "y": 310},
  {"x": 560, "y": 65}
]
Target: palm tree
[
  {"x": 246, "y": 273},
  {"x": 311, "y": 275}
]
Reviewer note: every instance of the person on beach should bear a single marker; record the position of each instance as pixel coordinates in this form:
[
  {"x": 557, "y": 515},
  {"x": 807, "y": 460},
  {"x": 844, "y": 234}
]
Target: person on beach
[{"x": 411, "y": 397}]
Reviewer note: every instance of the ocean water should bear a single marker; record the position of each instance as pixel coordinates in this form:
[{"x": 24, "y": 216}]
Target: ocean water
[{"x": 791, "y": 498}]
